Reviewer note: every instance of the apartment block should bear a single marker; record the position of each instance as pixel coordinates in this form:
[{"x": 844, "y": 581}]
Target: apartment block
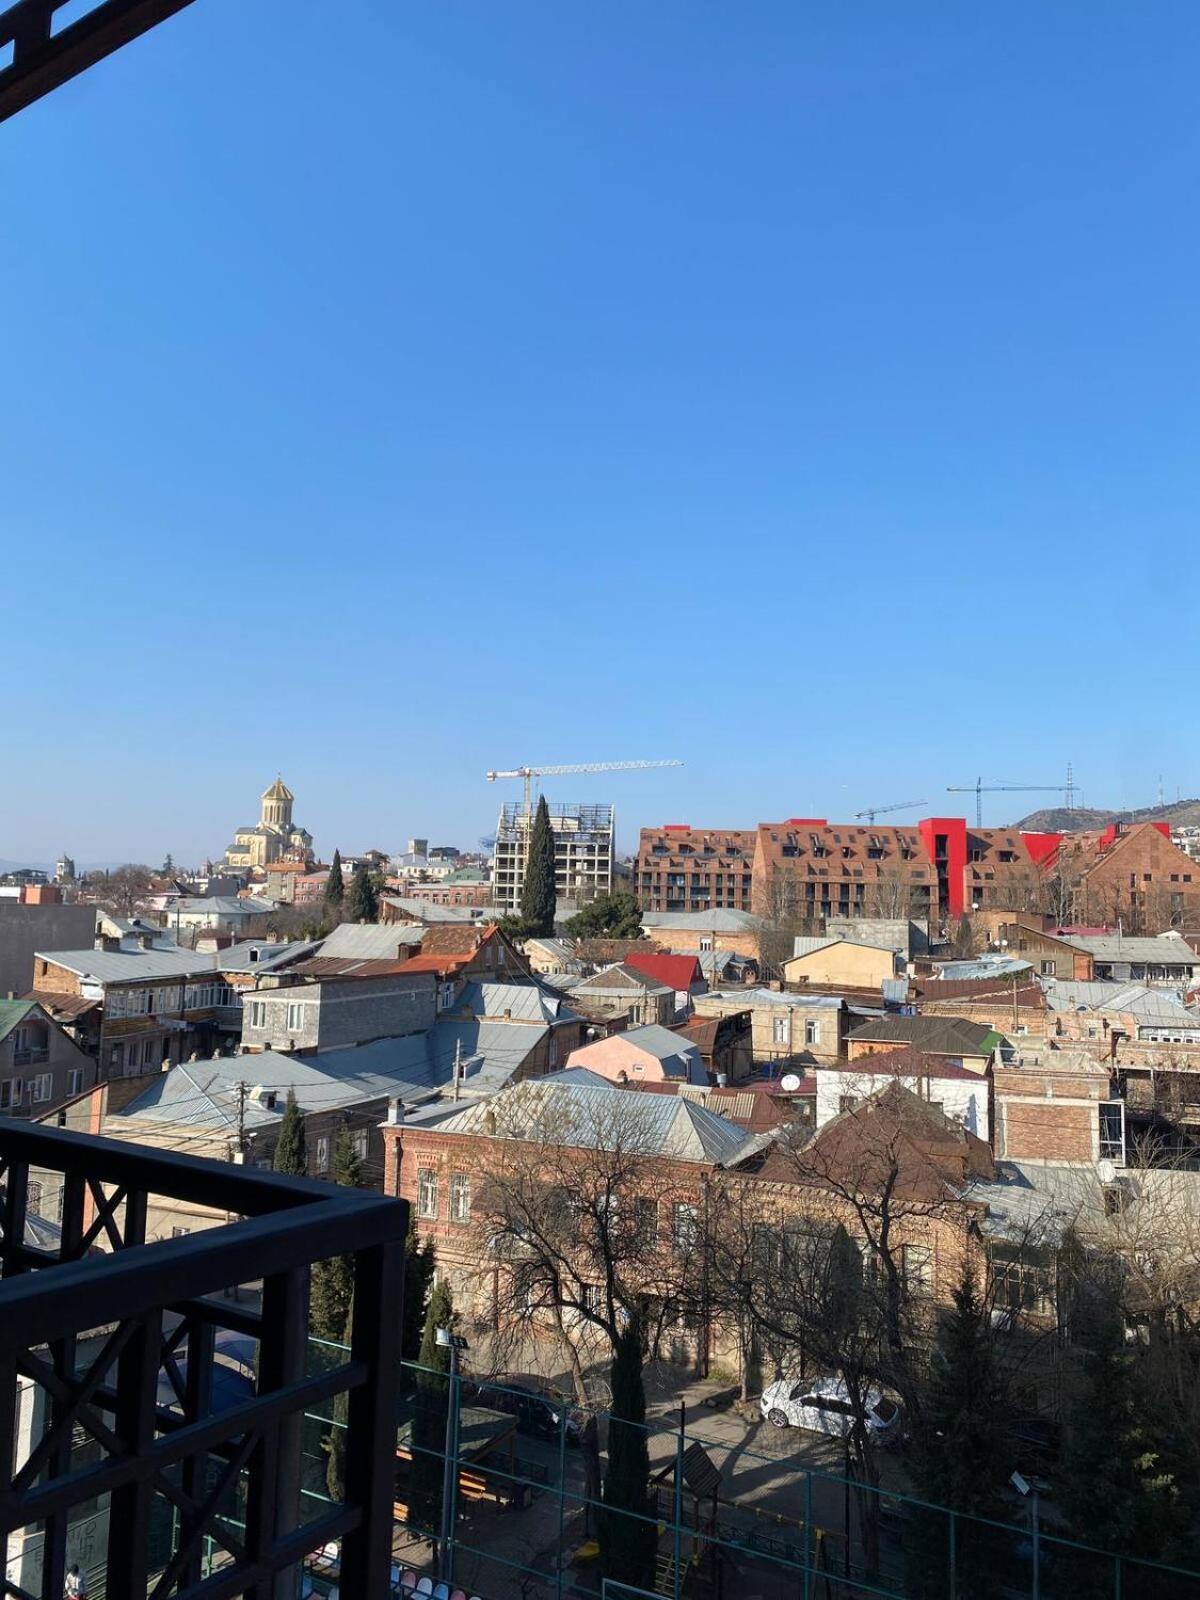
[
  {"x": 583, "y": 853},
  {"x": 681, "y": 868}
]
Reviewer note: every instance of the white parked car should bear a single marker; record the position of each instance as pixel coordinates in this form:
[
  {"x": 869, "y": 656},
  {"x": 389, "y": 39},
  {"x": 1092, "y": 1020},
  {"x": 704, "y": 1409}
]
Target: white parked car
[{"x": 823, "y": 1406}]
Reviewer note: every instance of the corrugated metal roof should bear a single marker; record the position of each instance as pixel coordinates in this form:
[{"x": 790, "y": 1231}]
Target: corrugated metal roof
[
  {"x": 524, "y": 1002},
  {"x": 1133, "y": 998},
  {"x": 804, "y": 944},
  {"x": 128, "y": 966},
  {"x": 774, "y": 997},
  {"x": 999, "y": 967},
  {"x": 718, "y": 920},
  {"x": 585, "y": 1117},
  {"x": 1161, "y": 950},
  {"x": 12, "y": 1012},
  {"x": 205, "y": 1093},
  {"x": 372, "y": 941},
  {"x": 429, "y": 911}
]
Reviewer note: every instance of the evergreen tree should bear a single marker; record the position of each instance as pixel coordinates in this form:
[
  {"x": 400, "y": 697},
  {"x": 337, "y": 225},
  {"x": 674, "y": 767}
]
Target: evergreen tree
[
  {"x": 628, "y": 1531},
  {"x": 168, "y": 866},
  {"x": 429, "y": 1416},
  {"x": 291, "y": 1150},
  {"x": 418, "y": 1284},
  {"x": 608, "y": 916},
  {"x": 961, "y": 1457},
  {"x": 334, "y": 1442},
  {"x": 537, "y": 892},
  {"x": 332, "y": 1282},
  {"x": 1129, "y": 1476},
  {"x": 362, "y": 902},
  {"x": 335, "y": 888},
  {"x": 964, "y": 938}
]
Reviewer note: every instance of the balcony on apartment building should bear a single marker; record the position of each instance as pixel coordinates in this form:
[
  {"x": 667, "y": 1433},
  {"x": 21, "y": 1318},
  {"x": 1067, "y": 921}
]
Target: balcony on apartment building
[{"x": 129, "y": 1442}]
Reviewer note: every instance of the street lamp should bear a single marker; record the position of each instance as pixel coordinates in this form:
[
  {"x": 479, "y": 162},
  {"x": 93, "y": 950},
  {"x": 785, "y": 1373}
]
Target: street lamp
[{"x": 455, "y": 1343}]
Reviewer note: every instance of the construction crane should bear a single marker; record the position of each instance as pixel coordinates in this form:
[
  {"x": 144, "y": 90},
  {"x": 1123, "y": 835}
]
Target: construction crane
[
  {"x": 979, "y": 789},
  {"x": 530, "y": 773},
  {"x": 881, "y": 811}
]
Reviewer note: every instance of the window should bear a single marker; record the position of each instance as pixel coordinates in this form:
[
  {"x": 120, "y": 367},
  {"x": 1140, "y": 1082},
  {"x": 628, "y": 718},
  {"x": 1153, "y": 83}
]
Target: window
[
  {"x": 358, "y": 1141},
  {"x": 445, "y": 996},
  {"x": 75, "y": 1080},
  {"x": 322, "y": 1152},
  {"x": 39, "y": 1089},
  {"x": 1047, "y": 969},
  {"x": 427, "y": 1193},
  {"x": 1022, "y": 1281},
  {"x": 295, "y": 1017},
  {"x": 1112, "y": 1130},
  {"x": 10, "y": 1094},
  {"x": 918, "y": 1269},
  {"x": 258, "y": 1014},
  {"x": 847, "y": 1102},
  {"x": 645, "y": 1216},
  {"x": 706, "y": 941},
  {"x": 460, "y": 1197},
  {"x": 180, "y": 1233},
  {"x": 684, "y": 1225},
  {"x": 781, "y": 1030},
  {"x": 812, "y": 1032},
  {"x": 552, "y": 1050}
]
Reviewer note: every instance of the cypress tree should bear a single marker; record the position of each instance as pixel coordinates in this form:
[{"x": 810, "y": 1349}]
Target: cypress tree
[
  {"x": 429, "y": 1416},
  {"x": 335, "y": 888},
  {"x": 628, "y": 1532},
  {"x": 332, "y": 1281},
  {"x": 418, "y": 1283},
  {"x": 291, "y": 1149},
  {"x": 961, "y": 1458},
  {"x": 1129, "y": 1474},
  {"x": 334, "y": 1442},
  {"x": 537, "y": 892},
  {"x": 362, "y": 902}
]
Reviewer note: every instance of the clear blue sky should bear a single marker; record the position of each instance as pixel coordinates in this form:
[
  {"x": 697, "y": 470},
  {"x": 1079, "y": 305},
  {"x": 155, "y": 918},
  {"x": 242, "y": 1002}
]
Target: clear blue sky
[{"x": 808, "y": 391}]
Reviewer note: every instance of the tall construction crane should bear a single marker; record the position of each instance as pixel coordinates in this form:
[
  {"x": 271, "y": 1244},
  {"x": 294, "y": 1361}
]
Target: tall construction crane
[
  {"x": 881, "y": 811},
  {"x": 979, "y": 789},
  {"x": 530, "y": 773}
]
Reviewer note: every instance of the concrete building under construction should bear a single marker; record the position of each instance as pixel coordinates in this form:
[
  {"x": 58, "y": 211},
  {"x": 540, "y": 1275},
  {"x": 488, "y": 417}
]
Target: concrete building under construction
[{"x": 583, "y": 852}]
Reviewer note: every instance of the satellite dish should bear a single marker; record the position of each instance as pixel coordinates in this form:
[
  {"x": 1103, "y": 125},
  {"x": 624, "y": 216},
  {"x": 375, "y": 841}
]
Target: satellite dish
[{"x": 789, "y": 1083}]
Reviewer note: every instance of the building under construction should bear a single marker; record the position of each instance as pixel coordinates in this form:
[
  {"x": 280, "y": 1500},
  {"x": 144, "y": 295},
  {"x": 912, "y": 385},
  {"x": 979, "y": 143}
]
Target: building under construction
[{"x": 583, "y": 852}]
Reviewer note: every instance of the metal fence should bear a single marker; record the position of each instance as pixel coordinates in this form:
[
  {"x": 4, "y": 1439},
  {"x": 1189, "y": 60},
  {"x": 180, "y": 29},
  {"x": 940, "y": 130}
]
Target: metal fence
[{"x": 520, "y": 1519}]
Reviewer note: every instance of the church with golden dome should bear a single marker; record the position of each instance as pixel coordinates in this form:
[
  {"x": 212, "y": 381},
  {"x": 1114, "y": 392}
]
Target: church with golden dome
[{"x": 274, "y": 837}]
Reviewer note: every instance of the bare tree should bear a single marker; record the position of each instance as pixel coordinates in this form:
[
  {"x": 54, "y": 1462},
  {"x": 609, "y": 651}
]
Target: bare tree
[
  {"x": 122, "y": 890},
  {"x": 589, "y": 1222}
]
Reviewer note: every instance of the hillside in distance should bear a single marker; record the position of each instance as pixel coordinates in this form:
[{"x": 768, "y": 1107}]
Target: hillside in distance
[{"x": 1057, "y": 819}]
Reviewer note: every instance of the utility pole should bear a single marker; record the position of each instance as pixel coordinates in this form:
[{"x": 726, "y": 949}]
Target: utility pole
[
  {"x": 457, "y": 1067},
  {"x": 241, "y": 1121}
]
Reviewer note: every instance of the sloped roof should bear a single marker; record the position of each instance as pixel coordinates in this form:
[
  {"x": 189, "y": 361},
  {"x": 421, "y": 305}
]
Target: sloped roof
[
  {"x": 624, "y": 979},
  {"x": 720, "y": 919},
  {"x": 430, "y": 911},
  {"x": 13, "y": 1012},
  {"x": 582, "y": 1116},
  {"x": 1135, "y": 999},
  {"x": 677, "y": 972},
  {"x": 522, "y": 1002},
  {"x": 128, "y": 966},
  {"x": 946, "y": 1036},
  {"x": 799, "y": 999},
  {"x": 372, "y": 940},
  {"x": 416, "y": 1066},
  {"x": 1152, "y": 951}
]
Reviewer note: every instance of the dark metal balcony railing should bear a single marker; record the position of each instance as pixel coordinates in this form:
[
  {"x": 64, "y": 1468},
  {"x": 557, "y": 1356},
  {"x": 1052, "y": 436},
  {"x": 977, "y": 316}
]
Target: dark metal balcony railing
[
  {"x": 45, "y": 56},
  {"x": 149, "y": 1320}
]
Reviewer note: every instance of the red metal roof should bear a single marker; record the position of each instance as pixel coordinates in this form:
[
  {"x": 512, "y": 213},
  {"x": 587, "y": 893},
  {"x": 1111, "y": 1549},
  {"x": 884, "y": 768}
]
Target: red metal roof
[{"x": 677, "y": 972}]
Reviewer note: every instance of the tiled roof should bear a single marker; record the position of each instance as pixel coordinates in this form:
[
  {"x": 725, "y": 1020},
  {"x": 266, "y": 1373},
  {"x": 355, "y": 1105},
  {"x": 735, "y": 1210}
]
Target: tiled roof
[{"x": 907, "y": 1062}]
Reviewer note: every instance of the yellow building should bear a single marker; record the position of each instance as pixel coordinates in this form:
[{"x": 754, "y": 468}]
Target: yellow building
[
  {"x": 275, "y": 837},
  {"x": 840, "y": 961}
]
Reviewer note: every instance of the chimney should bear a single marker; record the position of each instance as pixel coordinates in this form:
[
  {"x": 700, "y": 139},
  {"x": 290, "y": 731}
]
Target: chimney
[
  {"x": 106, "y": 941},
  {"x": 722, "y": 1080},
  {"x": 396, "y": 1113},
  {"x": 489, "y": 1120}
]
